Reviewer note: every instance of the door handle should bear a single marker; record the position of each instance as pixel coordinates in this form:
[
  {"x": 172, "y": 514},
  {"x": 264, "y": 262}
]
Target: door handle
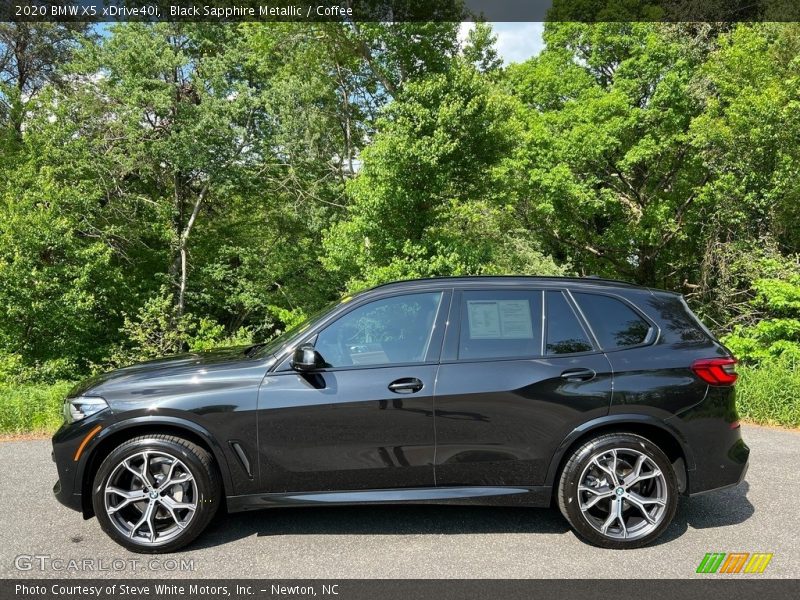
[
  {"x": 407, "y": 385},
  {"x": 578, "y": 374}
]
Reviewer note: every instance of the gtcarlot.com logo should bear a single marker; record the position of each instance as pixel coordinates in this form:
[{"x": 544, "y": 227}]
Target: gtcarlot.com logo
[
  {"x": 45, "y": 562},
  {"x": 734, "y": 562}
]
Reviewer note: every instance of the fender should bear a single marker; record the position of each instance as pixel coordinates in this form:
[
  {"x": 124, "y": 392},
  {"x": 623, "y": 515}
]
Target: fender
[
  {"x": 155, "y": 420},
  {"x": 617, "y": 419}
]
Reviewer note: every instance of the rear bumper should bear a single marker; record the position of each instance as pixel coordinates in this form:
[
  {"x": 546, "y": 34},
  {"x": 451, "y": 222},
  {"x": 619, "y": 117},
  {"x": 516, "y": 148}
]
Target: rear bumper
[
  {"x": 724, "y": 487},
  {"x": 719, "y": 456},
  {"x": 725, "y": 470}
]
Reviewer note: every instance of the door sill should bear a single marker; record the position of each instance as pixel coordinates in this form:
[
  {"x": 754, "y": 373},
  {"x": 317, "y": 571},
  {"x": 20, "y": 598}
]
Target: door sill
[{"x": 537, "y": 496}]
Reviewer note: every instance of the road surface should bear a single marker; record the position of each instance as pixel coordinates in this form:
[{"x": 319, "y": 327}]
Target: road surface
[{"x": 760, "y": 515}]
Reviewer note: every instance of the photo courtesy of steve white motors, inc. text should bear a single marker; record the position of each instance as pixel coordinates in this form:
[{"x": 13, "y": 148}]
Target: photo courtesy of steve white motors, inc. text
[{"x": 142, "y": 589}]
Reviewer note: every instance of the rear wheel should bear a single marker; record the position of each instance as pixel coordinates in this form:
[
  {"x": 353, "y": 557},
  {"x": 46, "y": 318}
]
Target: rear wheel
[
  {"x": 156, "y": 493},
  {"x": 618, "y": 491}
]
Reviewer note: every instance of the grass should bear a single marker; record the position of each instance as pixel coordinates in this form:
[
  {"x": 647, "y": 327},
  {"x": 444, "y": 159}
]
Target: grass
[
  {"x": 31, "y": 408},
  {"x": 768, "y": 394}
]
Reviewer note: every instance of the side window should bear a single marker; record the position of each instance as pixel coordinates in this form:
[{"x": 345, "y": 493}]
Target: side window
[
  {"x": 615, "y": 324},
  {"x": 500, "y": 324},
  {"x": 384, "y": 332},
  {"x": 564, "y": 332}
]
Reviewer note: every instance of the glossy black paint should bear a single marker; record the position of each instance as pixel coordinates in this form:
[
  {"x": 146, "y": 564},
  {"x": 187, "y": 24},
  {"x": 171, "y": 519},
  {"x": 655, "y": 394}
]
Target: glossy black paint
[
  {"x": 442, "y": 430},
  {"x": 496, "y": 421},
  {"x": 345, "y": 430},
  {"x": 498, "y": 496}
]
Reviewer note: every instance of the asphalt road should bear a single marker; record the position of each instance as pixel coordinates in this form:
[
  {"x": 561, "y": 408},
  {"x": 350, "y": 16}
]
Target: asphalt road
[{"x": 761, "y": 515}]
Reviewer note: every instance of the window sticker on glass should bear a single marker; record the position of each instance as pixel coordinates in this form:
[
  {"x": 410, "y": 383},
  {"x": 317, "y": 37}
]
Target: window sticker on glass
[
  {"x": 504, "y": 319},
  {"x": 484, "y": 319}
]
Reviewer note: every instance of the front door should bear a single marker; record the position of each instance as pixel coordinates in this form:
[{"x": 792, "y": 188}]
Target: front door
[
  {"x": 519, "y": 372},
  {"x": 365, "y": 419}
]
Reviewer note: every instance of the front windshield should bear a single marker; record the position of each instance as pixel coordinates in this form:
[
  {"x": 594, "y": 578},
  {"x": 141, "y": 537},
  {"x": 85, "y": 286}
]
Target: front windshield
[{"x": 276, "y": 344}]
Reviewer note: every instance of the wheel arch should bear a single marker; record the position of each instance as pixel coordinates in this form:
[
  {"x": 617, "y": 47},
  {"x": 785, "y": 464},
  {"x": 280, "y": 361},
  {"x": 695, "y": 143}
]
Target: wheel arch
[
  {"x": 119, "y": 433},
  {"x": 670, "y": 440}
]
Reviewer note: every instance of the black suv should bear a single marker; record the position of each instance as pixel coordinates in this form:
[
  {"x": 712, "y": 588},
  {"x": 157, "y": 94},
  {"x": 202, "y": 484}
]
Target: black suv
[{"x": 604, "y": 398}]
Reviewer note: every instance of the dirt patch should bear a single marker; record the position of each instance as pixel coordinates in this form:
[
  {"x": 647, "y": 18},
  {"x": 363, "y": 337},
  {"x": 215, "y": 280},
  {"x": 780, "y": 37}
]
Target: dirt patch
[{"x": 25, "y": 437}]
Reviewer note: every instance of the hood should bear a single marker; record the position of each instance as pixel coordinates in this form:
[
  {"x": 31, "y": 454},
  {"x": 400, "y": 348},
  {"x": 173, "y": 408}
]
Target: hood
[{"x": 188, "y": 362}]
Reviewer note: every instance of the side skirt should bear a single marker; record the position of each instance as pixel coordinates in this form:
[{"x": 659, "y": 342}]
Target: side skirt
[{"x": 536, "y": 496}]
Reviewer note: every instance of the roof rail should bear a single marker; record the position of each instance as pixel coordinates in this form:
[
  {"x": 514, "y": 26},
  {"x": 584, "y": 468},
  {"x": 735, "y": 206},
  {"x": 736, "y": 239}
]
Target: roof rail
[{"x": 456, "y": 278}]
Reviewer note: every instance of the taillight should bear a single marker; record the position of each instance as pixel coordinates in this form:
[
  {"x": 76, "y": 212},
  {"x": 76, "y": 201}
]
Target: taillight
[{"x": 716, "y": 371}]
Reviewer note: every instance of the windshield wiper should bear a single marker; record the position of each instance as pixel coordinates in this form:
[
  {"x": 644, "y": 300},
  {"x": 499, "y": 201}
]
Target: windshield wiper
[{"x": 254, "y": 349}]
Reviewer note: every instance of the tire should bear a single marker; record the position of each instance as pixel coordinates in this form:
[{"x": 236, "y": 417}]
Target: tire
[
  {"x": 181, "y": 496},
  {"x": 621, "y": 511}
]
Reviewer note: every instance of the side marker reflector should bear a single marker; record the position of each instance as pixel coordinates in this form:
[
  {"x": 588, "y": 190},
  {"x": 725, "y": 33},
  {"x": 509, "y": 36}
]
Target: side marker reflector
[{"x": 85, "y": 441}]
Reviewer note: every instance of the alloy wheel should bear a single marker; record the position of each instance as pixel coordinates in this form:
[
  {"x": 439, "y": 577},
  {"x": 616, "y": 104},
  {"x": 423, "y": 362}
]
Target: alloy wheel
[
  {"x": 151, "y": 497},
  {"x": 623, "y": 494}
]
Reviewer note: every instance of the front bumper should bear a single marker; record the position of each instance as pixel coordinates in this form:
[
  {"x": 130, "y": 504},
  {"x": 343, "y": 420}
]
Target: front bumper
[
  {"x": 66, "y": 441},
  {"x": 73, "y": 501}
]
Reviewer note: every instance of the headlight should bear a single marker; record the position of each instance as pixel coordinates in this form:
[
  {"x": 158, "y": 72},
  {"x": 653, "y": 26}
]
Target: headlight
[{"x": 76, "y": 409}]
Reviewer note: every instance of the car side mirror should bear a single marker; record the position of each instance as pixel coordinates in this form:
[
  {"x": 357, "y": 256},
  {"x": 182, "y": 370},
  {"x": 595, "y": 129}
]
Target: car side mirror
[{"x": 306, "y": 358}]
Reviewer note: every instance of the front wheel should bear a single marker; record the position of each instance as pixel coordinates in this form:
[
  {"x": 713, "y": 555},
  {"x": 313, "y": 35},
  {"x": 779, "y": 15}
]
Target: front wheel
[
  {"x": 156, "y": 493},
  {"x": 618, "y": 491}
]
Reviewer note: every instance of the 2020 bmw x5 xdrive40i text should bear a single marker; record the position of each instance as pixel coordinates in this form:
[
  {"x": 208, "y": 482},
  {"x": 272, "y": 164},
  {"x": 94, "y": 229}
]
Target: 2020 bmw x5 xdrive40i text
[{"x": 604, "y": 398}]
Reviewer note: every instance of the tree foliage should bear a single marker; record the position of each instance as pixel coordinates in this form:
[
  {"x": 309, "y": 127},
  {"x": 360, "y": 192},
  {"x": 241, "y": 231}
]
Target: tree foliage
[
  {"x": 166, "y": 187},
  {"x": 777, "y": 335},
  {"x": 429, "y": 199}
]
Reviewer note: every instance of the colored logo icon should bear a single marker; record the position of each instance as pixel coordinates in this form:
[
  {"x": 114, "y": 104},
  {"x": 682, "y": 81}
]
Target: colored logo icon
[{"x": 734, "y": 562}]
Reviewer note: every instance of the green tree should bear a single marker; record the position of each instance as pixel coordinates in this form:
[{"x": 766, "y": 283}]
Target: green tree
[
  {"x": 186, "y": 166},
  {"x": 31, "y": 57},
  {"x": 749, "y": 132},
  {"x": 608, "y": 173},
  {"x": 429, "y": 199},
  {"x": 776, "y": 334},
  {"x": 480, "y": 48},
  {"x": 62, "y": 267}
]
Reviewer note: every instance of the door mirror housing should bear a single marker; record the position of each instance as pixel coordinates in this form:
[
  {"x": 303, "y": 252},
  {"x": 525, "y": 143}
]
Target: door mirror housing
[{"x": 305, "y": 358}]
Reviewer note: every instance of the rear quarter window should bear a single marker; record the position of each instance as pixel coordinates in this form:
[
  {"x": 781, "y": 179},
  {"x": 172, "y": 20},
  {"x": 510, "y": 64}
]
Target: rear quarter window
[
  {"x": 679, "y": 325},
  {"x": 615, "y": 324}
]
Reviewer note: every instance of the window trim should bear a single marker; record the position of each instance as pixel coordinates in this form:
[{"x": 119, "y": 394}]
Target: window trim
[
  {"x": 452, "y": 339},
  {"x": 433, "y": 353},
  {"x": 653, "y": 334}
]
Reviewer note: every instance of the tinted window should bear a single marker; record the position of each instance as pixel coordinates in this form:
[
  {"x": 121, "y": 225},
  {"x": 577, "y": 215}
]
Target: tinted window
[
  {"x": 500, "y": 324},
  {"x": 564, "y": 332},
  {"x": 679, "y": 324},
  {"x": 387, "y": 331},
  {"x": 615, "y": 324}
]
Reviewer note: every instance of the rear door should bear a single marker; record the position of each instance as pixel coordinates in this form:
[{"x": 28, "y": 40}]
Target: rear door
[{"x": 519, "y": 372}]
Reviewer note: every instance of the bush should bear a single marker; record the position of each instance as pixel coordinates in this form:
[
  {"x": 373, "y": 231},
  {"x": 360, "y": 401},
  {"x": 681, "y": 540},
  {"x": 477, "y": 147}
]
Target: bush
[
  {"x": 207, "y": 334},
  {"x": 31, "y": 408},
  {"x": 778, "y": 333},
  {"x": 157, "y": 331},
  {"x": 14, "y": 370},
  {"x": 770, "y": 392}
]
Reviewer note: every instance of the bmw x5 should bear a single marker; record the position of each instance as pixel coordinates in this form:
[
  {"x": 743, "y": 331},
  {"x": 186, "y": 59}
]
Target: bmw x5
[{"x": 604, "y": 399}]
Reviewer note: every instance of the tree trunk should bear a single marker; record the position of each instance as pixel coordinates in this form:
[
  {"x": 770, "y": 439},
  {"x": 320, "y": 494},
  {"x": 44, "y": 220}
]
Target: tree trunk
[
  {"x": 646, "y": 269},
  {"x": 183, "y": 246}
]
